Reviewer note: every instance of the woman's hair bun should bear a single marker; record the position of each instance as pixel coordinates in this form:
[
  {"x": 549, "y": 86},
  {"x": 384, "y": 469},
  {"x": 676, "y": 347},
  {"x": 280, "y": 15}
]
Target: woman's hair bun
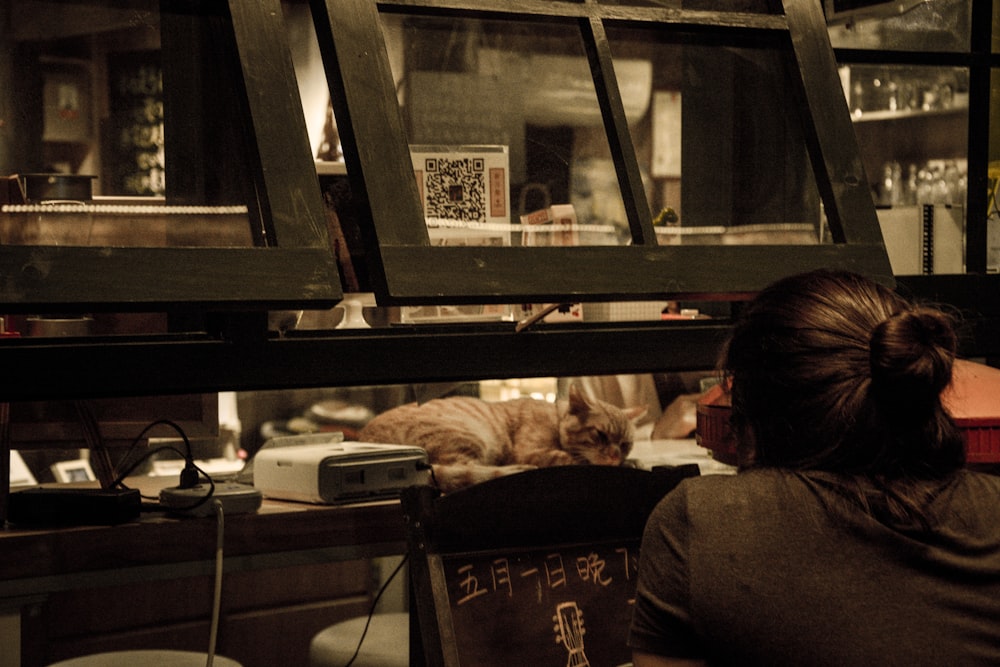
[{"x": 912, "y": 352}]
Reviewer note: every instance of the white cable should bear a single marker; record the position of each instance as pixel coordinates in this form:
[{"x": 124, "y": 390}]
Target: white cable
[
  {"x": 450, "y": 223},
  {"x": 213, "y": 633},
  {"x": 122, "y": 209}
]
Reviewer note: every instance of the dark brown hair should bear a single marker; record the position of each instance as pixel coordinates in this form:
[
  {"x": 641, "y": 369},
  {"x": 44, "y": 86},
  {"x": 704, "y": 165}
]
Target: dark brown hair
[{"x": 831, "y": 371}]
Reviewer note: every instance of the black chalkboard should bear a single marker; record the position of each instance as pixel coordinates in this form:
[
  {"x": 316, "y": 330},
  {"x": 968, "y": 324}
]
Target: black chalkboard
[
  {"x": 536, "y": 568},
  {"x": 566, "y": 606}
]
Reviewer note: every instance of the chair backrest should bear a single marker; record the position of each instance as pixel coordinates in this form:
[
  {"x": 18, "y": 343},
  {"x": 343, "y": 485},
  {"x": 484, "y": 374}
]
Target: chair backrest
[{"x": 533, "y": 568}]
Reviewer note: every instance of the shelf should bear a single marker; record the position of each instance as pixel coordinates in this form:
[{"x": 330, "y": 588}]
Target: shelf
[
  {"x": 121, "y": 366},
  {"x": 886, "y": 115},
  {"x": 404, "y": 354}
]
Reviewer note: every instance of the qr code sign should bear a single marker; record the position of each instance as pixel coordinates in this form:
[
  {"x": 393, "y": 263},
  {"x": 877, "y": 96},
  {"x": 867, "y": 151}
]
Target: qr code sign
[
  {"x": 464, "y": 184},
  {"x": 455, "y": 188}
]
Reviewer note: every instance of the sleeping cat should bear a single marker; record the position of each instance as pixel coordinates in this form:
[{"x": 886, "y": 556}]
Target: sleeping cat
[{"x": 469, "y": 440}]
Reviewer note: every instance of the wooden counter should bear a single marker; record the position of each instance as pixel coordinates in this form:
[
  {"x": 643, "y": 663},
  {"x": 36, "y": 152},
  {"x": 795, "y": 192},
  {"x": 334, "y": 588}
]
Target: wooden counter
[
  {"x": 290, "y": 569},
  {"x": 278, "y": 530}
]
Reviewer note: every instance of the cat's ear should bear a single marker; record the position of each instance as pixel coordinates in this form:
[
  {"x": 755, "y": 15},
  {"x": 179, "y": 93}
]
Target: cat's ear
[
  {"x": 578, "y": 402},
  {"x": 636, "y": 413}
]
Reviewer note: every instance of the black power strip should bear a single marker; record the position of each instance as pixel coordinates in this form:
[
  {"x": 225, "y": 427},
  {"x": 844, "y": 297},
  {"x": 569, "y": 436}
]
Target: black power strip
[{"x": 41, "y": 506}]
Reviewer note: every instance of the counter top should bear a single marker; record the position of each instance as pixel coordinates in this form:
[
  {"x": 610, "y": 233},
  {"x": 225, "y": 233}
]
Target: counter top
[
  {"x": 279, "y": 533},
  {"x": 649, "y": 453}
]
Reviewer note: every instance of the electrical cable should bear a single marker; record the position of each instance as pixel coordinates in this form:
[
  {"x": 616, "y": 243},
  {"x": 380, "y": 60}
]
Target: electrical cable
[
  {"x": 213, "y": 633},
  {"x": 111, "y": 480},
  {"x": 371, "y": 610},
  {"x": 190, "y": 475},
  {"x": 187, "y": 455},
  {"x": 101, "y": 457}
]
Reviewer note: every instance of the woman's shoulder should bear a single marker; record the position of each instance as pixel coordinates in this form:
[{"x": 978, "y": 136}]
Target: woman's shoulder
[
  {"x": 745, "y": 491},
  {"x": 743, "y": 481},
  {"x": 761, "y": 491},
  {"x": 978, "y": 488},
  {"x": 778, "y": 479},
  {"x": 980, "y": 478}
]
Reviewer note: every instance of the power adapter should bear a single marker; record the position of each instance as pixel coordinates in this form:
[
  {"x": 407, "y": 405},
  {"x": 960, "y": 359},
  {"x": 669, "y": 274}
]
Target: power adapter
[
  {"x": 197, "y": 500},
  {"x": 75, "y": 506},
  {"x": 189, "y": 476}
]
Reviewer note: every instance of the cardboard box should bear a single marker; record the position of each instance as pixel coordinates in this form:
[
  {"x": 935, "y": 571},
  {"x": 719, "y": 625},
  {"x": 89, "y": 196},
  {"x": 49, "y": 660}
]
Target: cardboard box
[{"x": 552, "y": 226}]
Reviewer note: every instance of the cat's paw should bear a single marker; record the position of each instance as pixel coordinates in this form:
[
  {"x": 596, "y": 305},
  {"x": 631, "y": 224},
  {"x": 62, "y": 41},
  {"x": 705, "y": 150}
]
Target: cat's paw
[
  {"x": 512, "y": 469},
  {"x": 554, "y": 457}
]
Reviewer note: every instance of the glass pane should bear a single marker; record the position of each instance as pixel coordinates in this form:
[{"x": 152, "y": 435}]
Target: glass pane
[
  {"x": 505, "y": 131},
  {"x": 127, "y": 140},
  {"x": 97, "y": 118},
  {"x": 995, "y": 33},
  {"x": 712, "y": 113},
  {"x": 993, "y": 219},
  {"x": 912, "y": 129},
  {"x": 905, "y": 25}
]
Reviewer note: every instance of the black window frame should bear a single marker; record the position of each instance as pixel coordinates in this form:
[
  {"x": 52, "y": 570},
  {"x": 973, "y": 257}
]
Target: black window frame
[
  {"x": 406, "y": 269},
  {"x": 293, "y": 268}
]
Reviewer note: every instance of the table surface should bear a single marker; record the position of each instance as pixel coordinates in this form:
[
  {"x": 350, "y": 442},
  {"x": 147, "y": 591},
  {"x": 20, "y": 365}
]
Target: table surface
[
  {"x": 279, "y": 528},
  {"x": 283, "y": 531}
]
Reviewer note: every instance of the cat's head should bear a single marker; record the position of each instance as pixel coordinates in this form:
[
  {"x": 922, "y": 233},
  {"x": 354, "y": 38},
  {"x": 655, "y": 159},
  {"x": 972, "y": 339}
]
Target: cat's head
[{"x": 596, "y": 432}]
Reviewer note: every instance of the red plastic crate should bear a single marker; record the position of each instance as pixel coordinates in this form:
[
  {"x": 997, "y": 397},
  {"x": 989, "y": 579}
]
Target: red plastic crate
[
  {"x": 972, "y": 399},
  {"x": 712, "y": 425}
]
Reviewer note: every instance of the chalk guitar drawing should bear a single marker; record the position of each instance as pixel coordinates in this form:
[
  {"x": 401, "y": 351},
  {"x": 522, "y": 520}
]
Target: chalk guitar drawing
[{"x": 569, "y": 631}]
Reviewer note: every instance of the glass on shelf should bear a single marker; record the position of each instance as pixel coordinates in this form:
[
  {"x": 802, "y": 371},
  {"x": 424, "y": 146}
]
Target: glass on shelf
[
  {"x": 930, "y": 182},
  {"x": 884, "y": 91}
]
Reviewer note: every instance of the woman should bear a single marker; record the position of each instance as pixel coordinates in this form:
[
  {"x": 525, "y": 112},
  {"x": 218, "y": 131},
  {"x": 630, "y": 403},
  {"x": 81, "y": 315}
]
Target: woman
[{"x": 853, "y": 534}]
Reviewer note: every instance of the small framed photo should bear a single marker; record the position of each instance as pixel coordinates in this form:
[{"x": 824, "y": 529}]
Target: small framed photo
[{"x": 77, "y": 470}]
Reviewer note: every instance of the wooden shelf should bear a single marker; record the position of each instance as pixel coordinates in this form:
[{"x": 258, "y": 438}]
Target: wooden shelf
[{"x": 886, "y": 115}]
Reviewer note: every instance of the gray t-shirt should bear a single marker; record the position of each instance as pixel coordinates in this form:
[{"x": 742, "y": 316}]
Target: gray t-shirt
[{"x": 773, "y": 567}]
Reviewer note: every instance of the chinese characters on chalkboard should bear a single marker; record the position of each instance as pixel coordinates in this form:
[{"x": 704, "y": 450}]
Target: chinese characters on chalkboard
[
  {"x": 549, "y": 601},
  {"x": 549, "y": 572}
]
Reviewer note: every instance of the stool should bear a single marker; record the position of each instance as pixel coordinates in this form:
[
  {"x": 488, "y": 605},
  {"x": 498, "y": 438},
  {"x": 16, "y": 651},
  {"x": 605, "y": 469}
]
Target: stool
[
  {"x": 387, "y": 643},
  {"x": 151, "y": 658}
]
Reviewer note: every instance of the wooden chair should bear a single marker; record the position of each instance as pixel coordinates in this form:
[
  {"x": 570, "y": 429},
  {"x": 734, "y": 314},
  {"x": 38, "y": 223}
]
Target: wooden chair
[{"x": 533, "y": 568}]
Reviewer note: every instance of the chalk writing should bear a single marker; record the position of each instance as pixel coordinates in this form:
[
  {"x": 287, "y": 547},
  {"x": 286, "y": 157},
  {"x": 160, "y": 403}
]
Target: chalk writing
[
  {"x": 530, "y": 574},
  {"x": 555, "y": 573},
  {"x": 591, "y": 568},
  {"x": 501, "y": 576},
  {"x": 529, "y": 607},
  {"x": 629, "y": 566},
  {"x": 469, "y": 584}
]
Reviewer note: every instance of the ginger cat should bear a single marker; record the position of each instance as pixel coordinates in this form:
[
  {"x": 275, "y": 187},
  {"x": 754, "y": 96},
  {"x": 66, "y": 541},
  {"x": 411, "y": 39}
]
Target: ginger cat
[{"x": 469, "y": 440}]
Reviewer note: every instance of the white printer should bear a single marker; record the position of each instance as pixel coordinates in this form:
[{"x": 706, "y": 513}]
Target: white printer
[{"x": 322, "y": 468}]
